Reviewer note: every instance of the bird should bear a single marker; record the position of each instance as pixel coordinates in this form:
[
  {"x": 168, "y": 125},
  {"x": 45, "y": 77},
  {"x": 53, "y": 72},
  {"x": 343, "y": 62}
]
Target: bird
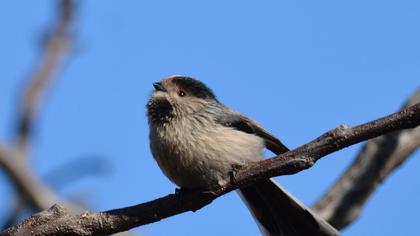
[{"x": 198, "y": 142}]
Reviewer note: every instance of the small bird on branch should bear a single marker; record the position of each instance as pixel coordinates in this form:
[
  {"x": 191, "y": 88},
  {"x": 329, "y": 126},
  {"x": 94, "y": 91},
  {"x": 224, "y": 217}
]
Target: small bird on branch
[{"x": 199, "y": 143}]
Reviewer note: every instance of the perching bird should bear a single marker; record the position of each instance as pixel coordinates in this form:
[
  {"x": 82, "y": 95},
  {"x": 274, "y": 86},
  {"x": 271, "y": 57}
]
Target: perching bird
[{"x": 198, "y": 142}]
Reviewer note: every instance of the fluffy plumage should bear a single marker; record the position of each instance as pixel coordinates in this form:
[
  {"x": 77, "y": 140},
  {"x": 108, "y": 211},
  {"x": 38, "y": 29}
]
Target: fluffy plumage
[{"x": 197, "y": 142}]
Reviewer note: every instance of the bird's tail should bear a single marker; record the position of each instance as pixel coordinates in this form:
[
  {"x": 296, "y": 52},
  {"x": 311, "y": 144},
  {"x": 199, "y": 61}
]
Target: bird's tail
[{"x": 277, "y": 212}]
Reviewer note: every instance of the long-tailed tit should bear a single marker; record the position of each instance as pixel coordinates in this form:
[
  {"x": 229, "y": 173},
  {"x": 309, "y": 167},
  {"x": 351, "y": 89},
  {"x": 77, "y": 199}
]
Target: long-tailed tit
[{"x": 198, "y": 142}]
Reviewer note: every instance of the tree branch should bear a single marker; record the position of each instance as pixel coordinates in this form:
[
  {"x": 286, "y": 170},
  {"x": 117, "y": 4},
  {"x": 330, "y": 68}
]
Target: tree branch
[
  {"x": 77, "y": 168},
  {"x": 13, "y": 159},
  {"x": 34, "y": 192},
  {"x": 344, "y": 201},
  {"x": 56, "y": 47},
  {"x": 57, "y": 221}
]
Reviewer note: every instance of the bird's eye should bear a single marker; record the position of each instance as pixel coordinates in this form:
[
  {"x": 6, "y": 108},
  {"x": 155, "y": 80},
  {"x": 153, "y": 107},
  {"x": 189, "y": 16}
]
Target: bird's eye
[{"x": 181, "y": 93}]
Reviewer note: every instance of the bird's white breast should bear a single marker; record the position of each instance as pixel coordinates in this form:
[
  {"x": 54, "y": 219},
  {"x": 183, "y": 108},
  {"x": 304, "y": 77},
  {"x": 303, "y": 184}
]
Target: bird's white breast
[{"x": 194, "y": 155}]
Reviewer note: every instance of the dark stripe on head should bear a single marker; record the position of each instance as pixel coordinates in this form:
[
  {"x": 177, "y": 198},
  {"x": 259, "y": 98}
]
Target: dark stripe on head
[{"x": 194, "y": 87}]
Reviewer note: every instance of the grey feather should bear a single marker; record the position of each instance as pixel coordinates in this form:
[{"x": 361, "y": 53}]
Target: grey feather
[
  {"x": 238, "y": 121},
  {"x": 276, "y": 211}
]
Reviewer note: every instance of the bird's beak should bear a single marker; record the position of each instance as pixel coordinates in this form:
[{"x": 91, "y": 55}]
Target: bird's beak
[{"x": 159, "y": 87}]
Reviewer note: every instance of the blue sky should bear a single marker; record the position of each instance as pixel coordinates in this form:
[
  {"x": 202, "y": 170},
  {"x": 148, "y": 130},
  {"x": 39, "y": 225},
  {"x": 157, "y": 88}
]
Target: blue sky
[{"x": 300, "y": 68}]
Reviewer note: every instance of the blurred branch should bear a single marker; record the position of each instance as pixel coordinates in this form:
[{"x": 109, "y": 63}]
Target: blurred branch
[
  {"x": 75, "y": 169},
  {"x": 58, "y": 221},
  {"x": 56, "y": 48},
  {"x": 379, "y": 157},
  {"x": 33, "y": 191}
]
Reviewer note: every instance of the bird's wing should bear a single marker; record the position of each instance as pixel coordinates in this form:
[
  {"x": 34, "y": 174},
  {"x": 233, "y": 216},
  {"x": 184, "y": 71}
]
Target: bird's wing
[
  {"x": 276, "y": 211},
  {"x": 243, "y": 123}
]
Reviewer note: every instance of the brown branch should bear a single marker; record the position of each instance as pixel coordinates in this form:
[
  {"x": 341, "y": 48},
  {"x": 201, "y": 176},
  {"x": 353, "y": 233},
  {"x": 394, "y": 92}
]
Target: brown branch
[
  {"x": 37, "y": 195},
  {"x": 344, "y": 201},
  {"x": 57, "y": 221},
  {"x": 56, "y": 47},
  {"x": 34, "y": 193}
]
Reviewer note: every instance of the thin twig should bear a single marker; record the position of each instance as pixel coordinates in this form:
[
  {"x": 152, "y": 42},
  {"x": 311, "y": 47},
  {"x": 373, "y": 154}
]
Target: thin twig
[{"x": 57, "y": 46}]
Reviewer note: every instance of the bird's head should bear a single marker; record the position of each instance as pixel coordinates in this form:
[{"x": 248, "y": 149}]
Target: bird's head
[{"x": 177, "y": 96}]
